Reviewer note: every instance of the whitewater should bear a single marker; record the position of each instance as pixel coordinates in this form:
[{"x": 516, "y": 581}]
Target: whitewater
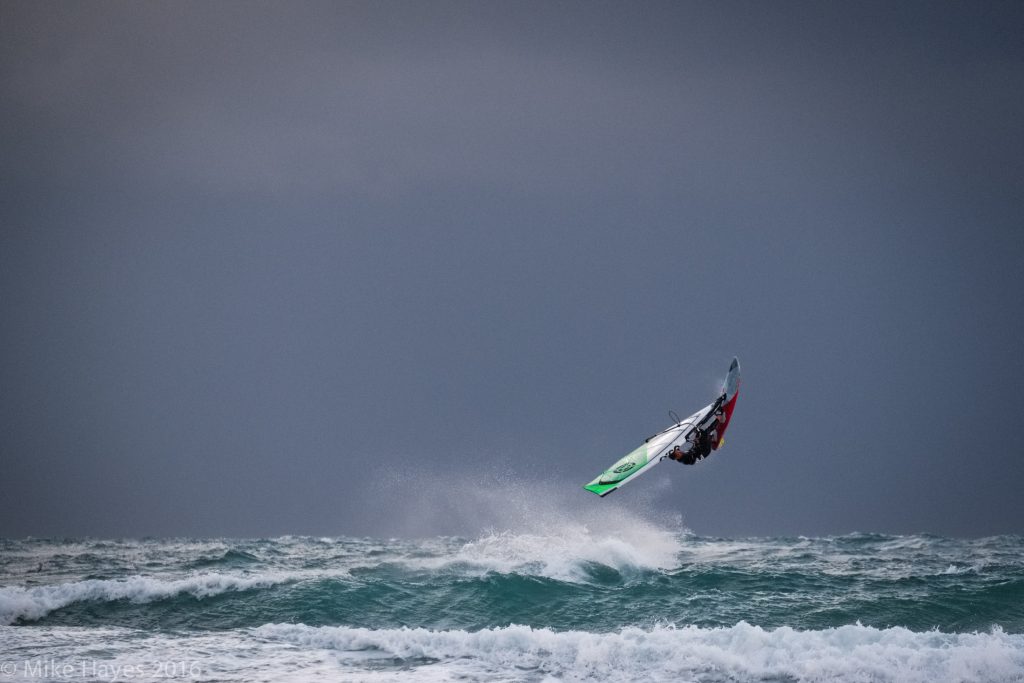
[{"x": 629, "y": 600}]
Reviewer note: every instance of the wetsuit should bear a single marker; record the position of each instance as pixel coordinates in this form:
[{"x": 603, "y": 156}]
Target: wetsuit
[
  {"x": 707, "y": 440},
  {"x": 702, "y": 441},
  {"x": 701, "y": 445}
]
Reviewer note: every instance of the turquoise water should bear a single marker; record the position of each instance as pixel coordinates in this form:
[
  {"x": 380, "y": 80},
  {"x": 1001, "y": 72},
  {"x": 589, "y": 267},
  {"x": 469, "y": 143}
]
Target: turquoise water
[{"x": 639, "y": 602}]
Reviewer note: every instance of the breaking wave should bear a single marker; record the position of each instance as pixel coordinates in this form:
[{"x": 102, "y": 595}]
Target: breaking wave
[
  {"x": 666, "y": 653},
  {"x": 567, "y": 553},
  {"x": 28, "y": 604}
]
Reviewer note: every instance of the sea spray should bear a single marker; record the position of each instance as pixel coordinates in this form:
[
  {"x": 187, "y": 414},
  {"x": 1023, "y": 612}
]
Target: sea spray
[{"x": 425, "y": 503}]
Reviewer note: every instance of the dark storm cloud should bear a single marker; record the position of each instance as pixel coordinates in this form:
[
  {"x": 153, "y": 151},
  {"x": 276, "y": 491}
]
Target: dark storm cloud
[{"x": 249, "y": 249}]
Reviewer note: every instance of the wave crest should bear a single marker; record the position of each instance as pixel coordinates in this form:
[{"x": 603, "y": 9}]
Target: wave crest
[
  {"x": 565, "y": 553},
  {"x": 542, "y": 529},
  {"x": 29, "y": 604}
]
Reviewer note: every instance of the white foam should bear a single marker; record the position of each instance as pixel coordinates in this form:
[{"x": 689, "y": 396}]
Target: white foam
[
  {"x": 33, "y": 603},
  {"x": 287, "y": 652},
  {"x": 539, "y": 528},
  {"x": 559, "y": 547},
  {"x": 742, "y": 652},
  {"x": 564, "y": 552}
]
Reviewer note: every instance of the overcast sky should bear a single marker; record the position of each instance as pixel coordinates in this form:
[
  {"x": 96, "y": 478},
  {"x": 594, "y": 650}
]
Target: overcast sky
[{"x": 368, "y": 268}]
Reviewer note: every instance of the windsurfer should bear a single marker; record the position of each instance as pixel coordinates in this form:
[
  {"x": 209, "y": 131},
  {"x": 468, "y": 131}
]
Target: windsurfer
[{"x": 703, "y": 441}]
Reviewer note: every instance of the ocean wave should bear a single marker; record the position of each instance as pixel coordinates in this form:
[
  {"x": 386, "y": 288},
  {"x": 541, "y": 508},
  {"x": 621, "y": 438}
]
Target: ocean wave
[
  {"x": 232, "y": 557},
  {"x": 666, "y": 653},
  {"x": 598, "y": 572},
  {"x": 29, "y": 604},
  {"x": 564, "y": 553},
  {"x": 548, "y": 535},
  {"x": 858, "y": 556}
]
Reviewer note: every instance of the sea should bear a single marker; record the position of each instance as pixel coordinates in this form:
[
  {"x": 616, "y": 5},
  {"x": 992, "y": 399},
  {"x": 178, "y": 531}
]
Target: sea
[{"x": 633, "y": 600}]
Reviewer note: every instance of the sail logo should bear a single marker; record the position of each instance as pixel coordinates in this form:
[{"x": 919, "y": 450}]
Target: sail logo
[{"x": 625, "y": 467}]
